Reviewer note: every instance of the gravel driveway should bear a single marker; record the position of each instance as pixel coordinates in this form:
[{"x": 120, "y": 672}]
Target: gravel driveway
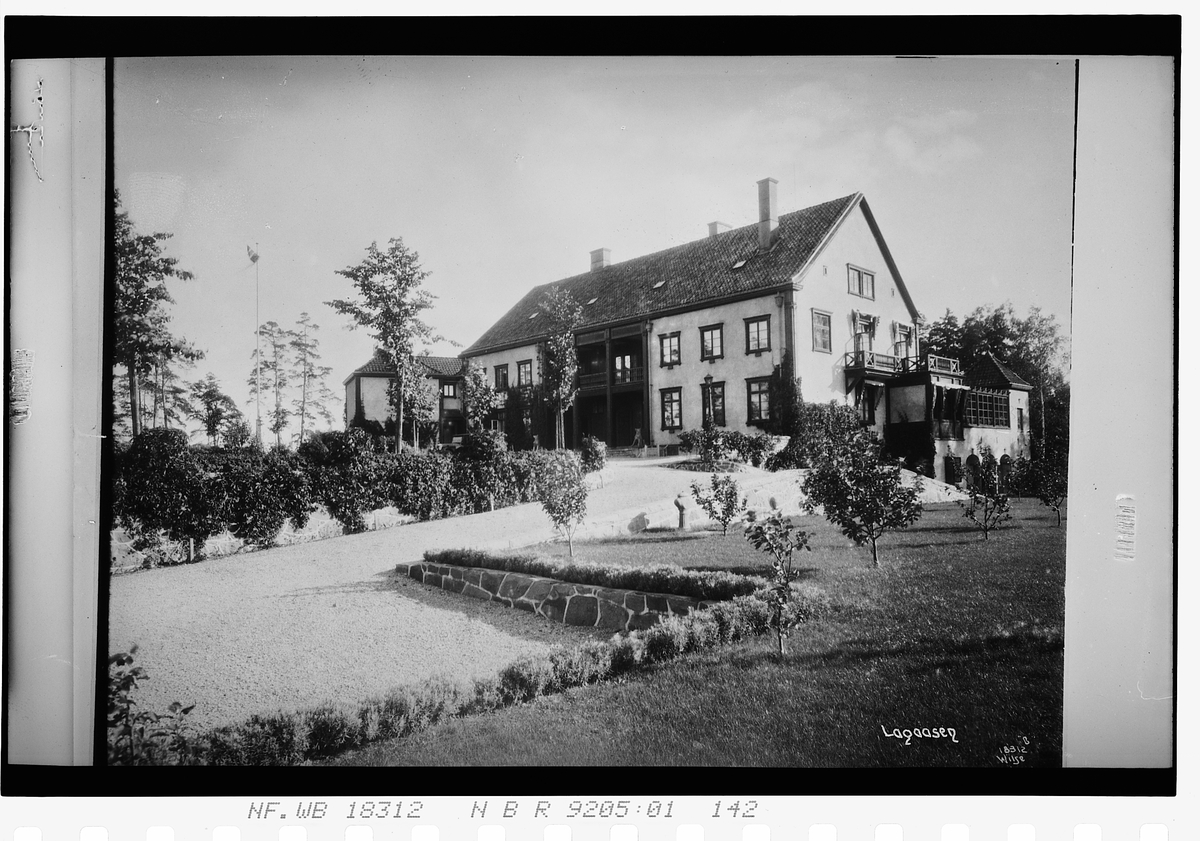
[{"x": 297, "y": 625}]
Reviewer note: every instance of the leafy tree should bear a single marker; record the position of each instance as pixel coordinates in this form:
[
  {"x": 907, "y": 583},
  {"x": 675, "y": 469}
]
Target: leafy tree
[
  {"x": 212, "y": 407},
  {"x": 559, "y": 360},
  {"x": 987, "y": 506},
  {"x": 1032, "y": 347},
  {"x": 861, "y": 493},
  {"x": 943, "y": 337},
  {"x": 421, "y": 399},
  {"x": 1051, "y": 479},
  {"x": 775, "y": 535},
  {"x": 479, "y": 398},
  {"x": 723, "y": 504},
  {"x": 563, "y": 494},
  {"x": 390, "y": 305},
  {"x": 139, "y": 322},
  {"x": 309, "y": 376},
  {"x": 270, "y": 374}
]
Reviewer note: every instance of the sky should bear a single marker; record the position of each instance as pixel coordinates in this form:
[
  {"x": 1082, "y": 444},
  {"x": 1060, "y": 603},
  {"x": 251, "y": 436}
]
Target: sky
[{"x": 504, "y": 173}]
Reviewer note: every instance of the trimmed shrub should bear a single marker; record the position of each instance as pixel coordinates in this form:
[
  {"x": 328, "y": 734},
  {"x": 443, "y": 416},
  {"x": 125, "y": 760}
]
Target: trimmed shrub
[
  {"x": 270, "y": 740},
  {"x": 347, "y": 476},
  {"x": 593, "y": 454},
  {"x": 673, "y": 580},
  {"x": 822, "y": 431},
  {"x": 525, "y": 680},
  {"x": 262, "y": 491},
  {"x": 168, "y": 492},
  {"x": 627, "y": 653}
]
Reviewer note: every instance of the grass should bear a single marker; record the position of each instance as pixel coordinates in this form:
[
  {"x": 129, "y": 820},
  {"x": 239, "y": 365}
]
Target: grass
[{"x": 953, "y": 632}]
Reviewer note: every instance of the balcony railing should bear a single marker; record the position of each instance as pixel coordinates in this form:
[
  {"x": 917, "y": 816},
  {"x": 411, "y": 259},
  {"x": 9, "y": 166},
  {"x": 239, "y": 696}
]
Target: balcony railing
[
  {"x": 619, "y": 377},
  {"x": 870, "y": 360}
]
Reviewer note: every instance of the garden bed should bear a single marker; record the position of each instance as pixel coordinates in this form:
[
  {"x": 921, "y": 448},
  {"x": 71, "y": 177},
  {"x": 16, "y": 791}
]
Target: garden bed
[{"x": 583, "y": 605}]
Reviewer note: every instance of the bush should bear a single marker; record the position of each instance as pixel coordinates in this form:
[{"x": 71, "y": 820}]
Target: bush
[
  {"x": 861, "y": 493},
  {"x": 987, "y": 506},
  {"x": 563, "y": 493},
  {"x": 672, "y": 580},
  {"x": 724, "y": 503},
  {"x": 347, "y": 475},
  {"x": 593, "y": 454},
  {"x": 331, "y": 729},
  {"x": 143, "y": 737},
  {"x": 262, "y": 491},
  {"x": 168, "y": 492},
  {"x": 822, "y": 432},
  {"x": 525, "y": 680},
  {"x": 270, "y": 740},
  {"x": 752, "y": 449},
  {"x": 775, "y": 535}
]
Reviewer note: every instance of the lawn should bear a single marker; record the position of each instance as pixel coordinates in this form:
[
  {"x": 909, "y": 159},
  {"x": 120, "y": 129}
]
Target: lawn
[{"x": 951, "y": 632}]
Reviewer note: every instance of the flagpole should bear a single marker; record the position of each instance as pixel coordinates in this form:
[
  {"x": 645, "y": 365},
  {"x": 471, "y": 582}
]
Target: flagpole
[{"x": 257, "y": 357}]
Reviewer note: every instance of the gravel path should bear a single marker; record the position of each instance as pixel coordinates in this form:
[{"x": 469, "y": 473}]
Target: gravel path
[{"x": 297, "y": 625}]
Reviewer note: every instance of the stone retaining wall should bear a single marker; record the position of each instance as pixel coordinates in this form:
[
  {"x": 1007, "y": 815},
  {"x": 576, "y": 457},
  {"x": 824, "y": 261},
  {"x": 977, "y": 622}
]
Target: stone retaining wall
[{"x": 559, "y": 601}]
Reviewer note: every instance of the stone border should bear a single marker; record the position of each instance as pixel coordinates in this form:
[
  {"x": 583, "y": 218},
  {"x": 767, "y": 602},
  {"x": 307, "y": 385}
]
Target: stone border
[{"x": 559, "y": 601}]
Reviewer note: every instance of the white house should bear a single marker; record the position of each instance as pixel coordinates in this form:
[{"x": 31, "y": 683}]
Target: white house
[{"x": 708, "y": 326}]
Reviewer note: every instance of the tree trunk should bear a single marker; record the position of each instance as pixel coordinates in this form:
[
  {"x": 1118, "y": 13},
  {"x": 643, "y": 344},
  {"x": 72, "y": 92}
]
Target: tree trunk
[
  {"x": 399, "y": 409},
  {"x": 874, "y": 553},
  {"x": 135, "y": 425}
]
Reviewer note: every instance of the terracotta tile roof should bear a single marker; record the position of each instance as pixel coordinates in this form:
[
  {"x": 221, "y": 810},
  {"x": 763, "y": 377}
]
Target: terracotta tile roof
[
  {"x": 695, "y": 274},
  {"x": 990, "y": 372},
  {"x": 438, "y": 366}
]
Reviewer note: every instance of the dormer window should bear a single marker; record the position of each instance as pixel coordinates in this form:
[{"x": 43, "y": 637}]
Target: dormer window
[
  {"x": 658, "y": 285},
  {"x": 739, "y": 264}
]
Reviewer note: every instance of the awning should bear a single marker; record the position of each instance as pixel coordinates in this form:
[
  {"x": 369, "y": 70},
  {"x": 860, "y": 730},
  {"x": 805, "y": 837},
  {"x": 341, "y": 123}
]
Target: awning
[{"x": 958, "y": 386}]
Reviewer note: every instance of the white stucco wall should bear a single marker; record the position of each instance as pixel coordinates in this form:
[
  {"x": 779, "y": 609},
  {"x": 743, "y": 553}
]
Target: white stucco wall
[
  {"x": 1002, "y": 441},
  {"x": 733, "y": 368},
  {"x": 824, "y": 286},
  {"x": 510, "y": 357},
  {"x": 373, "y": 391}
]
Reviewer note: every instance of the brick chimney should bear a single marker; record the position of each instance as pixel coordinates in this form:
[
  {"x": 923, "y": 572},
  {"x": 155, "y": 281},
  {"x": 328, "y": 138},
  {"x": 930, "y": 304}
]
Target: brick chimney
[
  {"x": 768, "y": 213},
  {"x": 599, "y": 258},
  {"x": 715, "y": 228}
]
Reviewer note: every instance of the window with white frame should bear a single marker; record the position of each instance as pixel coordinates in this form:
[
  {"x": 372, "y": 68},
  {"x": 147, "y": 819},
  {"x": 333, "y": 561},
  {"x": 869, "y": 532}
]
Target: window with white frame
[{"x": 524, "y": 373}]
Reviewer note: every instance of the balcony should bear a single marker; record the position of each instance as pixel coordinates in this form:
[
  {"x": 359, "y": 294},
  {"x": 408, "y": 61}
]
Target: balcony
[
  {"x": 869, "y": 361},
  {"x": 623, "y": 376}
]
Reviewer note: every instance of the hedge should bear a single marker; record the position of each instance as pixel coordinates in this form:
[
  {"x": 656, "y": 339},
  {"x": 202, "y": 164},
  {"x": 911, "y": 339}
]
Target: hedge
[{"x": 660, "y": 578}]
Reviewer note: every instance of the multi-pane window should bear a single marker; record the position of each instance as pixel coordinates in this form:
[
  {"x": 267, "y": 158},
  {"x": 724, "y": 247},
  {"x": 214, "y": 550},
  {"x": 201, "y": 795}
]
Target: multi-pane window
[
  {"x": 758, "y": 400},
  {"x": 712, "y": 341},
  {"x": 758, "y": 334},
  {"x": 862, "y": 283},
  {"x": 987, "y": 408},
  {"x": 822, "y": 329},
  {"x": 672, "y": 408},
  {"x": 714, "y": 403},
  {"x": 449, "y": 389},
  {"x": 524, "y": 373},
  {"x": 668, "y": 350},
  {"x": 501, "y": 377},
  {"x": 904, "y": 342}
]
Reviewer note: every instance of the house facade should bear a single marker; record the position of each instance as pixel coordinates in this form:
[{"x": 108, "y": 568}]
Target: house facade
[
  {"x": 367, "y": 394},
  {"x": 705, "y": 329}
]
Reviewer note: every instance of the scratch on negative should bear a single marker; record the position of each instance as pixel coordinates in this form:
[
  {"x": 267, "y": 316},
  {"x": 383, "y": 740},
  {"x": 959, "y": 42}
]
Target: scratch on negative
[
  {"x": 1152, "y": 697},
  {"x": 20, "y": 379},
  {"x": 37, "y": 128}
]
